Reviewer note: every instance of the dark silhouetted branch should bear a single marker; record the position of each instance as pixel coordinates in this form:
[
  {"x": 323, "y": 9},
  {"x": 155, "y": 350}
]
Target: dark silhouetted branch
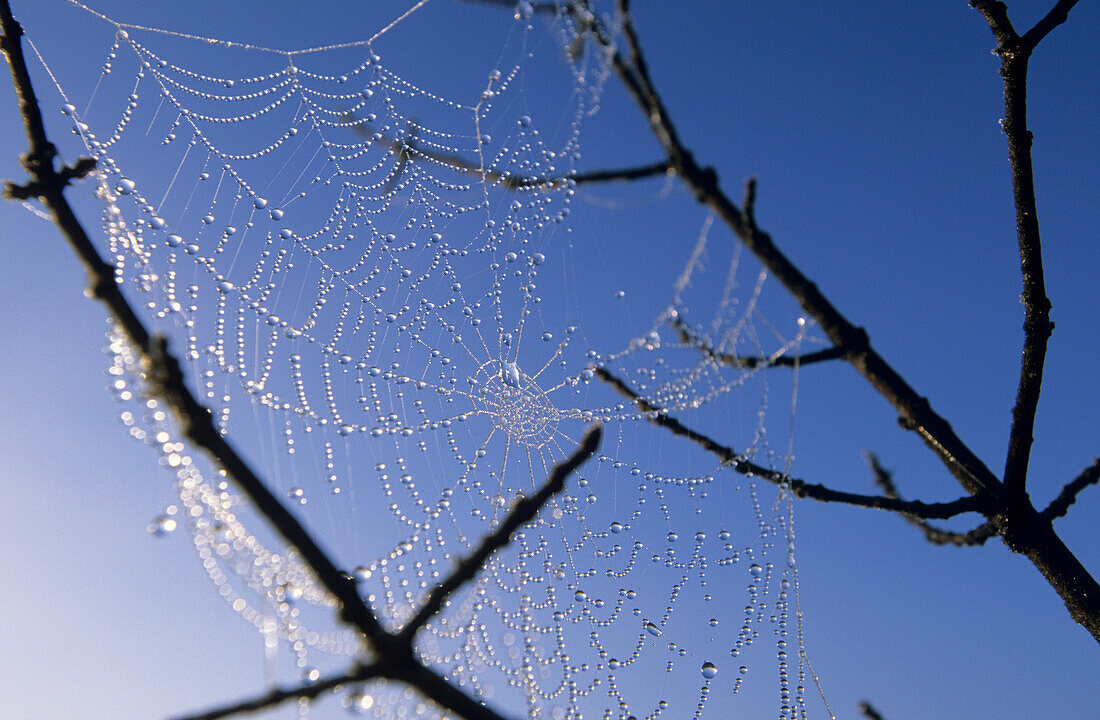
[
  {"x": 937, "y": 536},
  {"x": 799, "y": 488},
  {"x": 1015, "y": 52},
  {"x": 750, "y": 362},
  {"x": 1057, "y": 15},
  {"x": 868, "y": 710},
  {"x": 1060, "y": 505},
  {"x": 277, "y": 696}
]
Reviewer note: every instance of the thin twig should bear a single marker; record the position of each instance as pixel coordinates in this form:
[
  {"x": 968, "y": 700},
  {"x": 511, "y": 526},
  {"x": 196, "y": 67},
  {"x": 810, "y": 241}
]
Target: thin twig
[
  {"x": 937, "y": 536},
  {"x": 1015, "y": 53},
  {"x": 690, "y": 337},
  {"x": 277, "y": 696},
  {"x": 868, "y": 710},
  {"x": 523, "y": 512},
  {"x": 406, "y": 151},
  {"x": 799, "y": 488},
  {"x": 1060, "y": 505}
]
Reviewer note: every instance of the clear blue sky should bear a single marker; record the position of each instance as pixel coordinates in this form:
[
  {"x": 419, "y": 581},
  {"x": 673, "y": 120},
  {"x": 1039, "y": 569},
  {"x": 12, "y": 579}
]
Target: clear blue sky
[{"x": 883, "y": 174}]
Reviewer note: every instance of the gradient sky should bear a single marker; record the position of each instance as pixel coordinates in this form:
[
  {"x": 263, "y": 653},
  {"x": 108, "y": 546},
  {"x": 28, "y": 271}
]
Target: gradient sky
[{"x": 883, "y": 174}]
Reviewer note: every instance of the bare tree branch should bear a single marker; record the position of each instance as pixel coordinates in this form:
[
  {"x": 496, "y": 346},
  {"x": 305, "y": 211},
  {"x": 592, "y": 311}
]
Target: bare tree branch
[
  {"x": 1015, "y": 53},
  {"x": 406, "y": 151},
  {"x": 1060, "y": 505},
  {"x": 937, "y": 536},
  {"x": 800, "y": 488},
  {"x": 1057, "y": 15},
  {"x": 277, "y": 696},
  {"x": 690, "y": 337},
  {"x": 523, "y": 512},
  {"x": 868, "y": 710}
]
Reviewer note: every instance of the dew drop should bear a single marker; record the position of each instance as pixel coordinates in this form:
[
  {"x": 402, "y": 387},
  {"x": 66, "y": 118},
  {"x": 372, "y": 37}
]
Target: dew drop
[
  {"x": 259, "y": 203},
  {"x": 524, "y": 10},
  {"x": 162, "y": 525},
  {"x": 652, "y": 629},
  {"x": 175, "y": 240},
  {"x": 709, "y": 670},
  {"x": 511, "y": 374},
  {"x": 756, "y": 570},
  {"x": 616, "y": 527},
  {"x": 125, "y": 186}
]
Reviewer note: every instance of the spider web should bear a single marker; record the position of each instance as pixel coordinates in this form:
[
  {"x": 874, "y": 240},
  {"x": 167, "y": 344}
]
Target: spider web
[{"x": 365, "y": 259}]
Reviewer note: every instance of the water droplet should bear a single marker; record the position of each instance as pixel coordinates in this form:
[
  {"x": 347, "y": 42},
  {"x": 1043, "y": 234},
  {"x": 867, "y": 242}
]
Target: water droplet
[
  {"x": 538, "y": 259},
  {"x": 510, "y": 374},
  {"x": 345, "y": 430},
  {"x": 652, "y": 629},
  {"x": 524, "y": 120},
  {"x": 524, "y": 10},
  {"x": 225, "y": 286},
  {"x": 276, "y": 214},
  {"x": 709, "y": 670},
  {"x": 259, "y": 203},
  {"x": 358, "y": 702},
  {"x": 580, "y": 596},
  {"x": 297, "y": 494},
  {"x": 616, "y": 527},
  {"x": 207, "y": 219},
  {"x": 125, "y": 186},
  {"x": 162, "y": 525},
  {"x": 756, "y": 570},
  {"x": 175, "y": 240}
]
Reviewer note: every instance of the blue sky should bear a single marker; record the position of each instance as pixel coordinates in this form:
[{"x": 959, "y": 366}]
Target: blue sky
[{"x": 882, "y": 173}]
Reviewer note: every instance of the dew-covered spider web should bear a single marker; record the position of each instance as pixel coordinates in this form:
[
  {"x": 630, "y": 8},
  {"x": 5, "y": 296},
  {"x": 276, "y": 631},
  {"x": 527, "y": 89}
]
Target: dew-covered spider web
[{"x": 382, "y": 276}]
